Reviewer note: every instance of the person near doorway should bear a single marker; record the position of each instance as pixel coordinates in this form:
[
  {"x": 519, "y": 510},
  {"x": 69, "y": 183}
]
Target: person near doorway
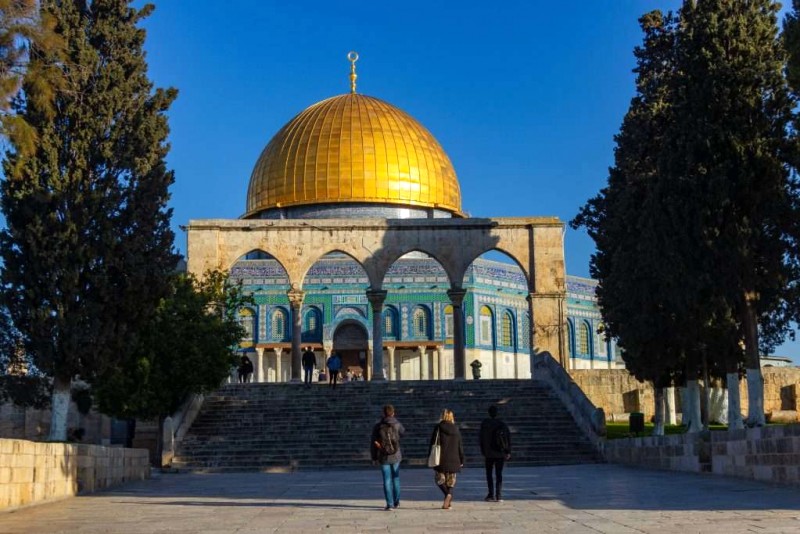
[
  {"x": 496, "y": 449},
  {"x": 334, "y": 364},
  {"x": 452, "y": 455},
  {"x": 476, "y": 369},
  {"x": 309, "y": 364},
  {"x": 385, "y": 451},
  {"x": 245, "y": 369}
]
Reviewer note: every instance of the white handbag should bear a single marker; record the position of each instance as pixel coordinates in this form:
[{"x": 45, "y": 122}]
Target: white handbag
[{"x": 435, "y": 455}]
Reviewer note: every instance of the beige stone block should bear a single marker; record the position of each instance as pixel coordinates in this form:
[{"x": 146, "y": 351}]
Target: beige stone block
[{"x": 20, "y": 475}]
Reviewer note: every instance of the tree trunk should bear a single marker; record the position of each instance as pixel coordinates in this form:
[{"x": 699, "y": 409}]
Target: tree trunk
[
  {"x": 160, "y": 442},
  {"x": 60, "y": 409},
  {"x": 735, "y": 420},
  {"x": 658, "y": 429},
  {"x": 706, "y": 393},
  {"x": 755, "y": 380},
  {"x": 691, "y": 407},
  {"x": 718, "y": 404}
]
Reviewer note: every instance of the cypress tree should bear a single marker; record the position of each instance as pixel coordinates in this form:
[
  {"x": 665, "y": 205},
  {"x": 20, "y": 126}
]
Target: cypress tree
[
  {"x": 87, "y": 250},
  {"x": 728, "y": 150}
]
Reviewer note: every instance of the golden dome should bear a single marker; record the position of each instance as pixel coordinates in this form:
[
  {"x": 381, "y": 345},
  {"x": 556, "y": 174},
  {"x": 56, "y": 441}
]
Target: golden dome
[{"x": 353, "y": 148}]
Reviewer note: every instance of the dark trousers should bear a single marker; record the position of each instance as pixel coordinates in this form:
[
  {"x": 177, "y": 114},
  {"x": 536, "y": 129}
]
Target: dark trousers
[
  {"x": 334, "y": 378},
  {"x": 497, "y": 465},
  {"x": 309, "y": 372}
]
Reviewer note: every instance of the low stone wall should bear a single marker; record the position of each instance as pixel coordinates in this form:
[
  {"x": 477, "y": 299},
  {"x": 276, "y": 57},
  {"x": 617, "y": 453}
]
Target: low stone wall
[
  {"x": 617, "y": 392},
  {"x": 770, "y": 454},
  {"x": 32, "y": 472},
  {"x": 28, "y": 423}
]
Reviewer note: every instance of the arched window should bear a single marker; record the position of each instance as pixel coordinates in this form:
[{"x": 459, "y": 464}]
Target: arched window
[
  {"x": 507, "y": 331},
  {"x": 600, "y": 341},
  {"x": 419, "y": 323},
  {"x": 448, "y": 324},
  {"x": 278, "y": 324},
  {"x": 583, "y": 339},
  {"x": 487, "y": 337},
  {"x": 247, "y": 320},
  {"x": 312, "y": 325},
  {"x": 390, "y": 323},
  {"x": 526, "y": 330}
]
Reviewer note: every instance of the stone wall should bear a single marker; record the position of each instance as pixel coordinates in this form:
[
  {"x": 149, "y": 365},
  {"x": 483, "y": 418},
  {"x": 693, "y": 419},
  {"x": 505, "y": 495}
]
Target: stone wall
[
  {"x": 32, "y": 473},
  {"x": 617, "y": 392},
  {"x": 28, "y": 423},
  {"x": 769, "y": 454}
]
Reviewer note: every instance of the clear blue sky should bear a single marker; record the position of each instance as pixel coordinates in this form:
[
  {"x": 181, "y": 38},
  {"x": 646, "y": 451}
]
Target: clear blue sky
[{"x": 524, "y": 96}]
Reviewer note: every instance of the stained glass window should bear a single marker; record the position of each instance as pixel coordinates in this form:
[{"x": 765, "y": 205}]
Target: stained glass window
[
  {"x": 507, "y": 330},
  {"x": 583, "y": 340},
  {"x": 278, "y": 321},
  {"x": 486, "y": 326}
]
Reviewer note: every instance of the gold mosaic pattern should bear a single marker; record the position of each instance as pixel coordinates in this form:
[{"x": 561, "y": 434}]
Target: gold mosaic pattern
[{"x": 353, "y": 148}]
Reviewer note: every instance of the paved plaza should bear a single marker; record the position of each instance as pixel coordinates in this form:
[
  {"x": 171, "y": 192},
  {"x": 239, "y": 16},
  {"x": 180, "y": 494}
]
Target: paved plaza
[{"x": 586, "y": 498}]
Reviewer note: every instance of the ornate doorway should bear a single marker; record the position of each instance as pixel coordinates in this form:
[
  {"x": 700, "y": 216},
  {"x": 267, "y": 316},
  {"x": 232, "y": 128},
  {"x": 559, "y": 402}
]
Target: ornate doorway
[{"x": 350, "y": 341}]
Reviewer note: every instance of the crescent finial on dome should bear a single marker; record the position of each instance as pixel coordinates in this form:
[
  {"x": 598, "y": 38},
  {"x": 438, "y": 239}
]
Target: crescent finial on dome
[{"x": 352, "y": 57}]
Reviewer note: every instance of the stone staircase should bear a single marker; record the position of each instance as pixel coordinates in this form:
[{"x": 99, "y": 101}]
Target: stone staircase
[{"x": 283, "y": 427}]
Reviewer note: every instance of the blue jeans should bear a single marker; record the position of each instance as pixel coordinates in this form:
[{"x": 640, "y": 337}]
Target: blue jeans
[
  {"x": 308, "y": 372},
  {"x": 391, "y": 483}
]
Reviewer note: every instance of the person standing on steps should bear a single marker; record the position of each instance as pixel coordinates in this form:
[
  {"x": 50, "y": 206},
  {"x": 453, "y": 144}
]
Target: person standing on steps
[
  {"x": 452, "y": 456},
  {"x": 385, "y": 450},
  {"x": 496, "y": 450},
  {"x": 334, "y": 364},
  {"x": 309, "y": 363}
]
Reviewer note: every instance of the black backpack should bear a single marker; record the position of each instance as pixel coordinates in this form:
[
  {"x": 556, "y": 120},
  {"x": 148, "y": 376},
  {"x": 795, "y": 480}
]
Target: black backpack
[
  {"x": 500, "y": 439},
  {"x": 388, "y": 442}
]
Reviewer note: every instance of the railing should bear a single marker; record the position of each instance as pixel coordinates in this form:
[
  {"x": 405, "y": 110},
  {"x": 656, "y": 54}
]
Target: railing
[
  {"x": 176, "y": 426},
  {"x": 590, "y": 419}
]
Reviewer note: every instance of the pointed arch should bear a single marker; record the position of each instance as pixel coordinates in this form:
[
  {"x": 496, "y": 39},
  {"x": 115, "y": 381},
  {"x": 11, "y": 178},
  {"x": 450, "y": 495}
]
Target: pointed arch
[
  {"x": 312, "y": 324},
  {"x": 391, "y": 323},
  {"x": 279, "y": 324},
  {"x": 507, "y": 330},
  {"x": 584, "y": 339},
  {"x": 421, "y": 322},
  {"x": 486, "y": 326}
]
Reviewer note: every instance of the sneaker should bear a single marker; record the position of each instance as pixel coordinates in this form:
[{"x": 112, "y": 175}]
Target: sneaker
[
  {"x": 489, "y": 498},
  {"x": 388, "y": 508},
  {"x": 397, "y": 504},
  {"x": 499, "y": 499}
]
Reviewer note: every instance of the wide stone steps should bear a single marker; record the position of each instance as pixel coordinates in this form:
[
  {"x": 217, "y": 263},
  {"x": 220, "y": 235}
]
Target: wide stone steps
[{"x": 288, "y": 426}]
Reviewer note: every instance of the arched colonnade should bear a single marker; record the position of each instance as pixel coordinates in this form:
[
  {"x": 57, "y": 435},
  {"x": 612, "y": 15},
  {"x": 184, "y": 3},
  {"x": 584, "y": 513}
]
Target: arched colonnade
[{"x": 534, "y": 243}]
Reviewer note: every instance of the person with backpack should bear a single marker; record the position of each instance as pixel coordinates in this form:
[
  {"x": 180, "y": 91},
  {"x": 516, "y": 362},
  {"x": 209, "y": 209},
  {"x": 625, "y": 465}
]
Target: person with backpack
[
  {"x": 385, "y": 450},
  {"x": 496, "y": 449}
]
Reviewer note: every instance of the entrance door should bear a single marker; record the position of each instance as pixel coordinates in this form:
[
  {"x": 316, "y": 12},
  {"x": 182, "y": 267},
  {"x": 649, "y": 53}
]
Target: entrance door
[{"x": 350, "y": 341}]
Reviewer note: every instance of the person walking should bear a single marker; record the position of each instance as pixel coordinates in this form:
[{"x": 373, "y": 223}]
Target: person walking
[
  {"x": 452, "y": 455},
  {"x": 385, "y": 450},
  {"x": 496, "y": 449},
  {"x": 309, "y": 363},
  {"x": 334, "y": 364},
  {"x": 245, "y": 369}
]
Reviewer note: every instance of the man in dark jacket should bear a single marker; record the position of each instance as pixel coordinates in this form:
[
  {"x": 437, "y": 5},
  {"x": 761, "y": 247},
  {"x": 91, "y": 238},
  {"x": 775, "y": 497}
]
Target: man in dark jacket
[
  {"x": 309, "y": 363},
  {"x": 385, "y": 449},
  {"x": 496, "y": 449}
]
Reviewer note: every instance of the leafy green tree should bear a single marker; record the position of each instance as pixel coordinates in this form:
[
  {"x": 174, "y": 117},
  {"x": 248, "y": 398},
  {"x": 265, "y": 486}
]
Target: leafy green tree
[
  {"x": 188, "y": 348},
  {"x": 88, "y": 250}
]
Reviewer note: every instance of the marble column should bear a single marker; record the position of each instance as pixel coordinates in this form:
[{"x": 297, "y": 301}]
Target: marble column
[
  {"x": 392, "y": 371},
  {"x": 423, "y": 362},
  {"x": 376, "y": 298},
  {"x": 278, "y": 354},
  {"x": 440, "y": 363},
  {"x": 670, "y": 418},
  {"x": 259, "y": 364},
  {"x": 456, "y": 295},
  {"x": 296, "y": 297}
]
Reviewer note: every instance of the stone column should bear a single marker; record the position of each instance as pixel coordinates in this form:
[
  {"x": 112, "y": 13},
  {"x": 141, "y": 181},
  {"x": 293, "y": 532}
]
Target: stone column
[
  {"x": 278, "y": 354},
  {"x": 376, "y": 298},
  {"x": 259, "y": 364},
  {"x": 392, "y": 372},
  {"x": 296, "y": 297},
  {"x": 423, "y": 362},
  {"x": 439, "y": 362},
  {"x": 456, "y": 295},
  {"x": 547, "y": 325}
]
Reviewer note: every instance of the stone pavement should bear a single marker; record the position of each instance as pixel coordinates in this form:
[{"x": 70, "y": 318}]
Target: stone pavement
[{"x": 574, "y": 499}]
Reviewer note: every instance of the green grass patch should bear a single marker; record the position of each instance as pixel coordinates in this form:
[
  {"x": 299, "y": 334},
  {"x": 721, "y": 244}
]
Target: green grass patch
[{"x": 622, "y": 430}]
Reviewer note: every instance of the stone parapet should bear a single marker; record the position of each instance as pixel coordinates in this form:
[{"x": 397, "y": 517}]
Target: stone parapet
[
  {"x": 32, "y": 472},
  {"x": 769, "y": 454}
]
